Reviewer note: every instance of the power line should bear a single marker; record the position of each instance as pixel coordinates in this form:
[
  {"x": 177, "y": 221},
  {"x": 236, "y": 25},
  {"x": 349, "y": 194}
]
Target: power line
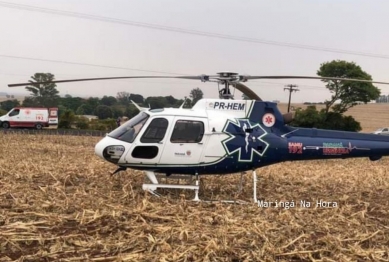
[
  {"x": 185, "y": 31},
  {"x": 134, "y": 69},
  {"x": 85, "y": 64},
  {"x": 290, "y": 89},
  {"x": 283, "y": 84}
]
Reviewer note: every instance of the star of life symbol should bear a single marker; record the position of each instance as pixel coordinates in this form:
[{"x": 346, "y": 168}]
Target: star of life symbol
[
  {"x": 268, "y": 120},
  {"x": 245, "y": 143}
]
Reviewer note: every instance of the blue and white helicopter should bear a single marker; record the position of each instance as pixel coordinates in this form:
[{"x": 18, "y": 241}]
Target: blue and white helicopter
[{"x": 223, "y": 136}]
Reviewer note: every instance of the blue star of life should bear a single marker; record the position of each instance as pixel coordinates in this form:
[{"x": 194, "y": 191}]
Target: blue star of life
[{"x": 242, "y": 142}]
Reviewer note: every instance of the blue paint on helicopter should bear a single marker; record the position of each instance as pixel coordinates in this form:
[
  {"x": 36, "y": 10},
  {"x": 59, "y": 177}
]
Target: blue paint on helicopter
[{"x": 245, "y": 140}]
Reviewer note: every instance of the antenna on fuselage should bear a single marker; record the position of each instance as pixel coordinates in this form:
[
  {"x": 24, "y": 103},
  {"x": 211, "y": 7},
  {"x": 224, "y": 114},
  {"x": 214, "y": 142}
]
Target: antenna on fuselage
[
  {"x": 182, "y": 106},
  {"x": 139, "y": 107}
]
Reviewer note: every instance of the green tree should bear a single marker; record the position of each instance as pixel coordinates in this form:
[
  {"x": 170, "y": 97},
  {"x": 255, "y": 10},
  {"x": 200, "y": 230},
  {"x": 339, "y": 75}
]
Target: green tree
[
  {"x": 72, "y": 103},
  {"x": 67, "y": 119},
  {"x": 93, "y": 102},
  {"x": 103, "y": 112},
  {"x": 30, "y": 102},
  {"x": 137, "y": 98},
  {"x": 7, "y": 105},
  {"x": 196, "y": 94},
  {"x": 108, "y": 101},
  {"x": 131, "y": 111},
  {"x": 61, "y": 109},
  {"x": 156, "y": 102},
  {"x": 84, "y": 109},
  {"x": 172, "y": 102},
  {"x": 117, "y": 111},
  {"x": 45, "y": 95},
  {"x": 123, "y": 98},
  {"x": 188, "y": 102},
  {"x": 348, "y": 93}
]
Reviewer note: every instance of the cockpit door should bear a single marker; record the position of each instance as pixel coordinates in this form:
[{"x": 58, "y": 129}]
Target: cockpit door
[{"x": 148, "y": 146}]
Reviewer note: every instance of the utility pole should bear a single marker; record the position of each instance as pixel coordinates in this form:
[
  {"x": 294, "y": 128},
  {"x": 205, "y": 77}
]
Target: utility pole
[{"x": 291, "y": 89}]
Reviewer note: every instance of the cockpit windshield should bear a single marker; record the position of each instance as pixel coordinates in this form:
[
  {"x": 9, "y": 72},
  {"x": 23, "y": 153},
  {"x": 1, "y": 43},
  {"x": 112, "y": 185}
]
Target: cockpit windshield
[{"x": 130, "y": 129}]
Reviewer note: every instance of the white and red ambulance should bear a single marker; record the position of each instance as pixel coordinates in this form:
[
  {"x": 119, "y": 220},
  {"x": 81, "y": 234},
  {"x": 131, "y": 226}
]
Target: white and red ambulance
[{"x": 35, "y": 117}]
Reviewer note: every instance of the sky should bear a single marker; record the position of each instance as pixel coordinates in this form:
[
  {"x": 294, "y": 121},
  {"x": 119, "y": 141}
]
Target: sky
[{"x": 108, "y": 38}]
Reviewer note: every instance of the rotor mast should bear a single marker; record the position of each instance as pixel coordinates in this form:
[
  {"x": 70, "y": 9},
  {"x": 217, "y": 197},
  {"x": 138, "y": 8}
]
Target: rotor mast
[{"x": 227, "y": 79}]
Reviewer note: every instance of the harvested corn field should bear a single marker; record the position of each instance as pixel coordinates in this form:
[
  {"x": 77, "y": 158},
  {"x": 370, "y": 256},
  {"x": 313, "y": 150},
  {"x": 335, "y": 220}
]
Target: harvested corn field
[{"x": 59, "y": 203}]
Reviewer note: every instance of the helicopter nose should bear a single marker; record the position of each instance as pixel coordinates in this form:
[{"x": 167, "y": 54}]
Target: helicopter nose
[
  {"x": 99, "y": 148},
  {"x": 110, "y": 149}
]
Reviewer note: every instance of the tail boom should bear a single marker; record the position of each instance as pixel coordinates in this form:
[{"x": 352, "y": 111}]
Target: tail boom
[{"x": 327, "y": 144}]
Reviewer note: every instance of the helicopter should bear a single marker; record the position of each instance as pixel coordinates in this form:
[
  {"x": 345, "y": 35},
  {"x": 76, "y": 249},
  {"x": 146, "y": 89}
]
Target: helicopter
[{"x": 223, "y": 136}]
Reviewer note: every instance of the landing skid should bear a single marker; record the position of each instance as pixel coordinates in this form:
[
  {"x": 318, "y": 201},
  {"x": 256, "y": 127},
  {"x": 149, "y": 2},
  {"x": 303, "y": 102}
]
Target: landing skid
[{"x": 154, "y": 184}]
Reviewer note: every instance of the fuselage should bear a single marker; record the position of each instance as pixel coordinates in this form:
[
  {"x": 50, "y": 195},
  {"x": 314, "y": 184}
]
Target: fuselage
[{"x": 226, "y": 136}]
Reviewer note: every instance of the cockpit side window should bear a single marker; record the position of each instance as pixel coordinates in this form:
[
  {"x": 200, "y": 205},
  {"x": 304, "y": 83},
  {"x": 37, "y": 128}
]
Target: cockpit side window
[
  {"x": 130, "y": 129},
  {"x": 15, "y": 112},
  {"x": 156, "y": 131},
  {"x": 187, "y": 131}
]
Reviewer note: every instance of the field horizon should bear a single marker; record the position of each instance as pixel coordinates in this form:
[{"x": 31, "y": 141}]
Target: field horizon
[{"x": 371, "y": 116}]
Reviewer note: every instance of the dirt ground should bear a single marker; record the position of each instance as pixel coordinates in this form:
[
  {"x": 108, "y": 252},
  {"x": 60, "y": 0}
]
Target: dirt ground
[{"x": 58, "y": 202}]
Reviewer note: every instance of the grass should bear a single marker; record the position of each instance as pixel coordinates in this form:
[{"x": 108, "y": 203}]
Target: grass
[{"x": 59, "y": 203}]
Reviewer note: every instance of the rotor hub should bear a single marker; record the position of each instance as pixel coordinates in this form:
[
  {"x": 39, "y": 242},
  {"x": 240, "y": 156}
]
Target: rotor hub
[
  {"x": 226, "y": 78},
  {"x": 227, "y": 74}
]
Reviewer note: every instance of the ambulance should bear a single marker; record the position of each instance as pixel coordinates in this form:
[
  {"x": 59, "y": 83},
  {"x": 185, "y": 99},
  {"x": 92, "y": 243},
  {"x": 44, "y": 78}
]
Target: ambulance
[{"x": 34, "y": 117}]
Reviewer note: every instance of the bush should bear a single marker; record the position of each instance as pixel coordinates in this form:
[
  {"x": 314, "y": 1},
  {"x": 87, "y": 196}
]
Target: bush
[
  {"x": 82, "y": 122},
  {"x": 109, "y": 123},
  {"x": 3, "y": 112},
  {"x": 63, "y": 123},
  {"x": 103, "y": 124},
  {"x": 311, "y": 118},
  {"x": 66, "y": 119}
]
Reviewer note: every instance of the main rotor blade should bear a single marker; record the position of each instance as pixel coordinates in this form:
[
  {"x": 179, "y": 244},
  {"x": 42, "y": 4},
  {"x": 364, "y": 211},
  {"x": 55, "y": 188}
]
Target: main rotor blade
[
  {"x": 247, "y": 91},
  {"x": 109, "y": 78},
  {"x": 314, "y": 77}
]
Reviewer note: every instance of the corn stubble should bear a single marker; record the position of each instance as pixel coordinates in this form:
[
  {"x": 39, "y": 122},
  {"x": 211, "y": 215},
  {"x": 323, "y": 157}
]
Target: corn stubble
[{"x": 58, "y": 202}]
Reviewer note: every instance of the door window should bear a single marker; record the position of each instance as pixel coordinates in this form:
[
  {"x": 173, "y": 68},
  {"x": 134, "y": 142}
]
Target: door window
[
  {"x": 187, "y": 131},
  {"x": 156, "y": 131}
]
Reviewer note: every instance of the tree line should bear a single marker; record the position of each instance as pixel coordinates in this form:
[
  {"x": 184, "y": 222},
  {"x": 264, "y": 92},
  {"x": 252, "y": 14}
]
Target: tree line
[
  {"x": 344, "y": 95},
  {"x": 107, "y": 108}
]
